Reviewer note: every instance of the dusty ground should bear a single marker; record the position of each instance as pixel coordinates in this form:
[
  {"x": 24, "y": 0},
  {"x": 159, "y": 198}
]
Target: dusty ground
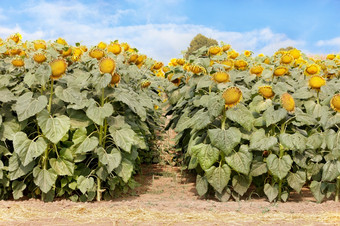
[{"x": 168, "y": 197}]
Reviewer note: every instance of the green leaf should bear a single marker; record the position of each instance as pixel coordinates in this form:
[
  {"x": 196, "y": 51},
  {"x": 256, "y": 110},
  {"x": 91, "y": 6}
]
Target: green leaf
[
  {"x": 9, "y": 129},
  {"x": 89, "y": 144},
  {"x": 224, "y": 196},
  {"x": 305, "y": 119},
  {"x": 330, "y": 170},
  {"x": 44, "y": 178},
  {"x": 272, "y": 116},
  {"x": 240, "y": 161},
  {"x": 79, "y": 135},
  {"x": 69, "y": 95},
  {"x": 242, "y": 116},
  {"x": 260, "y": 142},
  {"x": 54, "y": 128},
  {"x": 27, "y": 106},
  {"x": 85, "y": 184},
  {"x": 271, "y": 192},
  {"x": 130, "y": 98},
  {"x": 207, "y": 155},
  {"x": 294, "y": 142},
  {"x": 98, "y": 114},
  {"x": 62, "y": 166},
  {"x": 123, "y": 138},
  {"x": 200, "y": 120},
  {"x": 27, "y": 149},
  {"x": 193, "y": 162},
  {"x": 125, "y": 170},
  {"x": 225, "y": 140},
  {"x": 315, "y": 188},
  {"x": 258, "y": 168},
  {"x": 241, "y": 184},
  {"x": 279, "y": 166},
  {"x": 297, "y": 180},
  {"x": 6, "y": 95},
  {"x": 218, "y": 177},
  {"x": 16, "y": 169},
  {"x": 314, "y": 141},
  {"x": 112, "y": 160},
  {"x": 18, "y": 187},
  {"x": 201, "y": 185},
  {"x": 102, "y": 82}
]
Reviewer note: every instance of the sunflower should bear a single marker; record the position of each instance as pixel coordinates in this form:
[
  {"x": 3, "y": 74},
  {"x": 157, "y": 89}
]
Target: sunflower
[
  {"x": 247, "y": 53},
  {"x": 84, "y": 48},
  {"x": 1, "y": 42},
  {"x": 257, "y": 70},
  {"x": 196, "y": 69},
  {"x": 145, "y": 84},
  {"x": 214, "y": 50},
  {"x": 232, "y": 96},
  {"x": 102, "y": 45},
  {"x": 295, "y": 53},
  {"x": 261, "y": 55},
  {"x": 233, "y": 54},
  {"x": 58, "y": 68},
  {"x": 300, "y": 62},
  {"x": 16, "y": 37},
  {"x": 18, "y": 62},
  {"x": 157, "y": 65},
  {"x": 22, "y": 54},
  {"x": 287, "y": 59},
  {"x": 316, "y": 81},
  {"x": 39, "y": 57},
  {"x": 335, "y": 102},
  {"x": 125, "y": 46},
  {"x": 220, "y": 77},
  {"x": 140, "y": 60},
  {"x": 165, "y": 69},
  {"x": 39, "y": 44},
  {"x": 115, "y": 79},
  {"x": 226, "y": 47},
  {"x": 330, "y": 56},
  {"x": 180, "y": 61},
  {"x": 114, "y": 48},
  {"x": 266, "y": 92},
  {"x": 61, "y": 41},
  {"x": 288, "y": 102},
  {"x": 173, "y": 62},
  {"x": 229, "y": 64},
  {"x": 267, "y": 60},
  {"x": 107, "y": 65},
  {"x": 96, "y": 53},
  {"x": 177, "y": 81},
  {"x": 280, "y": 71},
  {"x": 312, "y": 69},
  {"x": 240, "y": 64},
  {"x": 66, "y": 51}
]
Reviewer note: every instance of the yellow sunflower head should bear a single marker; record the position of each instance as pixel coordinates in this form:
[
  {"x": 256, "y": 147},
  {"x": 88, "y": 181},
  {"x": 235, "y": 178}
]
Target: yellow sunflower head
[
  {"x": 261, "y": 55},
  {"x": 61, "y": 41},
  {"x": 233, "y": 54},
  {"x": 107, "y": 65},
  {"x": 312, "y": 69},
  {"x": 295, "y": 53},
  {"x": 67, "y": 50},
  {"x": 96, "y": 53},
  {"x": 247, "y": 53},
  {"x": 257, "y": 70},
  {"x": 180, "y": 61},
  {"x": 102, "y": 45},
  {"x": 18, "y": 62},
  {"x": 133, "y": 57},
  {"x": 335, "y": 102},
  {"x": 16, "y": 37},
  {"x": 288, "y": 102},
  {"x": 84, "y": 48},
  {"x": 177, "y": 81},
  {"x": 145, "y": 84},
  {"x": 115, "y": 79},
  {"x": 157, "y": 65},
  {"x": 39, "y": 44},
  {"x": 196, "y": 69},
  {"x": 316, "y": 81},
  {"x": 232, "y": 96},
  {"x": 214, "y": 50},
  {"x": 330, "y": 56},
  {"x": 240, "y": 64},
  {"x": 125, "y": 46},
  {"x": 220, "y": 77},
  {"x": 300, "y": 62},
  {"x": 58, "y": 68},
  {"x": 280, "y": 71},
  {"x": 266, "y": 92},
  {"x": 287, "y": 58},
  {"x": 39, "y": 57},
  {"x": 114, "y": 48},
  {"x": 267, "y": 60},
  {"x": 226, "y": 47},
  {"x": 140, "y": 60},
  {"x": 165, "y": 69},
  {"x": 173, "y": 62}
]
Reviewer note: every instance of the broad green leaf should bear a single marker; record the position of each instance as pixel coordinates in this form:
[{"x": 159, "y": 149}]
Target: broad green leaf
[
  {"x": 224, "y": 196},
  {"x": 215, "y": 106},
  {"x": 28, "y": 106},
  {"x": 332, "y": 139},
  {"x": 16, "y": 169},
  {"x": 297, "y": 180},
  {"x": 54, "y": 128},
  {"x": 218, "y": 177},
  {"x": 125, "y": 170},
  {"x": 271, "y": 192},
  {"x": 62, "y": 166},
  {"x": 314, "y": 141},
  {"x": 258, "y": 168},
  {"x": 294, "y": 142},
  {"x": 98, "y": 114},
  {"x": 200, "y": 120},
  {"x": 89, "y": 144},
  {"x": 130, "y": 98},
  {"x": 201, "y": 185},
  {"x": 85, "y": 184},
  {"x": 241, "y": 184},
  {"x": 123, "y": 138},
  {"x": 112, "y": 160},
  {"x": 272, "y": 116},
  {"x": 242, "y": 116},
  {"x": 207, "y": 155},
  {"x": 260, "y": 142},
  {"x": 193, "y": 162},
  {"x": 102, "y": 81},
  {"x": 9, "y": 129},
  {"x": 240, "y": 161},
  {"x": 6, "y": 95},
  {"x": 330, "y": 170},
  {"x": 69, "y": 95},
  {"x": 225, "y": 140},
  {"x": 305, "y": 119},
  {"x": 44, "y": 178},
  {"x": 315, "y": 188},
  {"x": 27, "y": 149},
  {"x": 79, "y": 135},
  {"x": 332, "y": 121},
  {"x": 279, "y": 166},
  {"x": 18, "y": 187}
]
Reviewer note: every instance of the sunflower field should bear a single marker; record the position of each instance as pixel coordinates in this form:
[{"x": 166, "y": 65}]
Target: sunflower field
[{"x": 77, "y": 122}]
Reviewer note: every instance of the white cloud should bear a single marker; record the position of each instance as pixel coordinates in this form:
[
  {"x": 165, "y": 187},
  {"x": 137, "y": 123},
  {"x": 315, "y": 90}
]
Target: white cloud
[{"x": 330, "y": 42}]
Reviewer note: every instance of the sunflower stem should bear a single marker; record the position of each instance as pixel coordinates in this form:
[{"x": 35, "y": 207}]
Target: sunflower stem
[
  {"x": 317, "y": 97},
  {"x": 102, "y": 134},
  {"x": 280, "y": 190},
  {"x": 44, "y": 166},
  {"x": 224, "y": 117},
  {"x": 51, "y": 95},
  {"x": 337, "y": 192},
  {"x": 99, "y": 191}
]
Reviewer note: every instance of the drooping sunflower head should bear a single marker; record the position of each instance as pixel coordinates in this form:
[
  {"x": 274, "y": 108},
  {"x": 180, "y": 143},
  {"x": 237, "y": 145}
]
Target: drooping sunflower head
[
  {"x": 102, "y": 45},
  {"x": 330, "y": 56},
  {"x": 312, "y": 69},
  {"x": 261, "y": 55},
  {"x": 84, "y": 48},
  {"x": 247, "y": 53},
  {"x": 133, "y": 57},
  {"x": 267, "y": 60},
  {"x": 18, "y": 62},
  {"x": 233, "y": 54},
  {"x": 177, "y": 81},
  {"x": 140, "y": 60},
  {"x": 67, "y": 50},
  {"x": 226, "y": 47},
  {"x": 145, "y": 84},
  {"x": 295, "y": 53},
  {"x": 335, "y": 102},
  {"x": 240, "y": 64},
  {"x": 287, "y": 58},
  {"x": 58, "y": 68},
  {"x": 300, "y": 62},
  {"x": 39, "y": 57},
  {"x": 288, "y": 102},
  {"x": 107, "y": 65},
  {"x": 257, "y": 70},
  {"x": 39, "y": 44},
  {"x": 316, "y": 81},
  {"x": 229, "y": 64},
  {"x": 280, "y": 71},
  {"x": 214, "y": 50},
  {"x": 180, "y": 61},
  {"x": 157, "y": 65},
  {"x": 114, "y": 48},
  {"x": 16, "y": 37},
  {"x": 221, "y": 77},
  {"x": 266, "y": 92},
  {"x": 61, "y": 41},
  {"x": 125, "y": 46},
  {"x": 232, "y": 96},
  {"x": 96, "y": 53},
  {"x": 196, "y": 69},
  {"x": 165, "y": 69},
  {"x": 115, "y": 79}
]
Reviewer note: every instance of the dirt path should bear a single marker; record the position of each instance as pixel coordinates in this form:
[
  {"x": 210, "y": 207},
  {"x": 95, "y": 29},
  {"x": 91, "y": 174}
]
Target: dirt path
[{"x": 168, "y": 197}]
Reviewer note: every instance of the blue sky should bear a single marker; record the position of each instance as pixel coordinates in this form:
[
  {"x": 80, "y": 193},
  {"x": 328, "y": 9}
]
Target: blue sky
[{"x": 163, "y": 28}]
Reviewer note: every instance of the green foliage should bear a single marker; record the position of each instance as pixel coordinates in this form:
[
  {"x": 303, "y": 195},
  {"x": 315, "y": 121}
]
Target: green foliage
[{"x": 199, "y": 41}]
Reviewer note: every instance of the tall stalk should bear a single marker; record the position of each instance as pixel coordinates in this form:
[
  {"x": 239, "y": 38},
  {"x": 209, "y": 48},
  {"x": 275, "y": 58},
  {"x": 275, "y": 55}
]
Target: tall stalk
[
  {"x": 337, "y": 192},
  {"x": 102, "y": 134}
]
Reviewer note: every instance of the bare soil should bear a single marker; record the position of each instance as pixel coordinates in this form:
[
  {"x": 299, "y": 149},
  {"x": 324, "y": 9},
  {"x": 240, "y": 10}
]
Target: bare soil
[{"x": 168, "y": 196}]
